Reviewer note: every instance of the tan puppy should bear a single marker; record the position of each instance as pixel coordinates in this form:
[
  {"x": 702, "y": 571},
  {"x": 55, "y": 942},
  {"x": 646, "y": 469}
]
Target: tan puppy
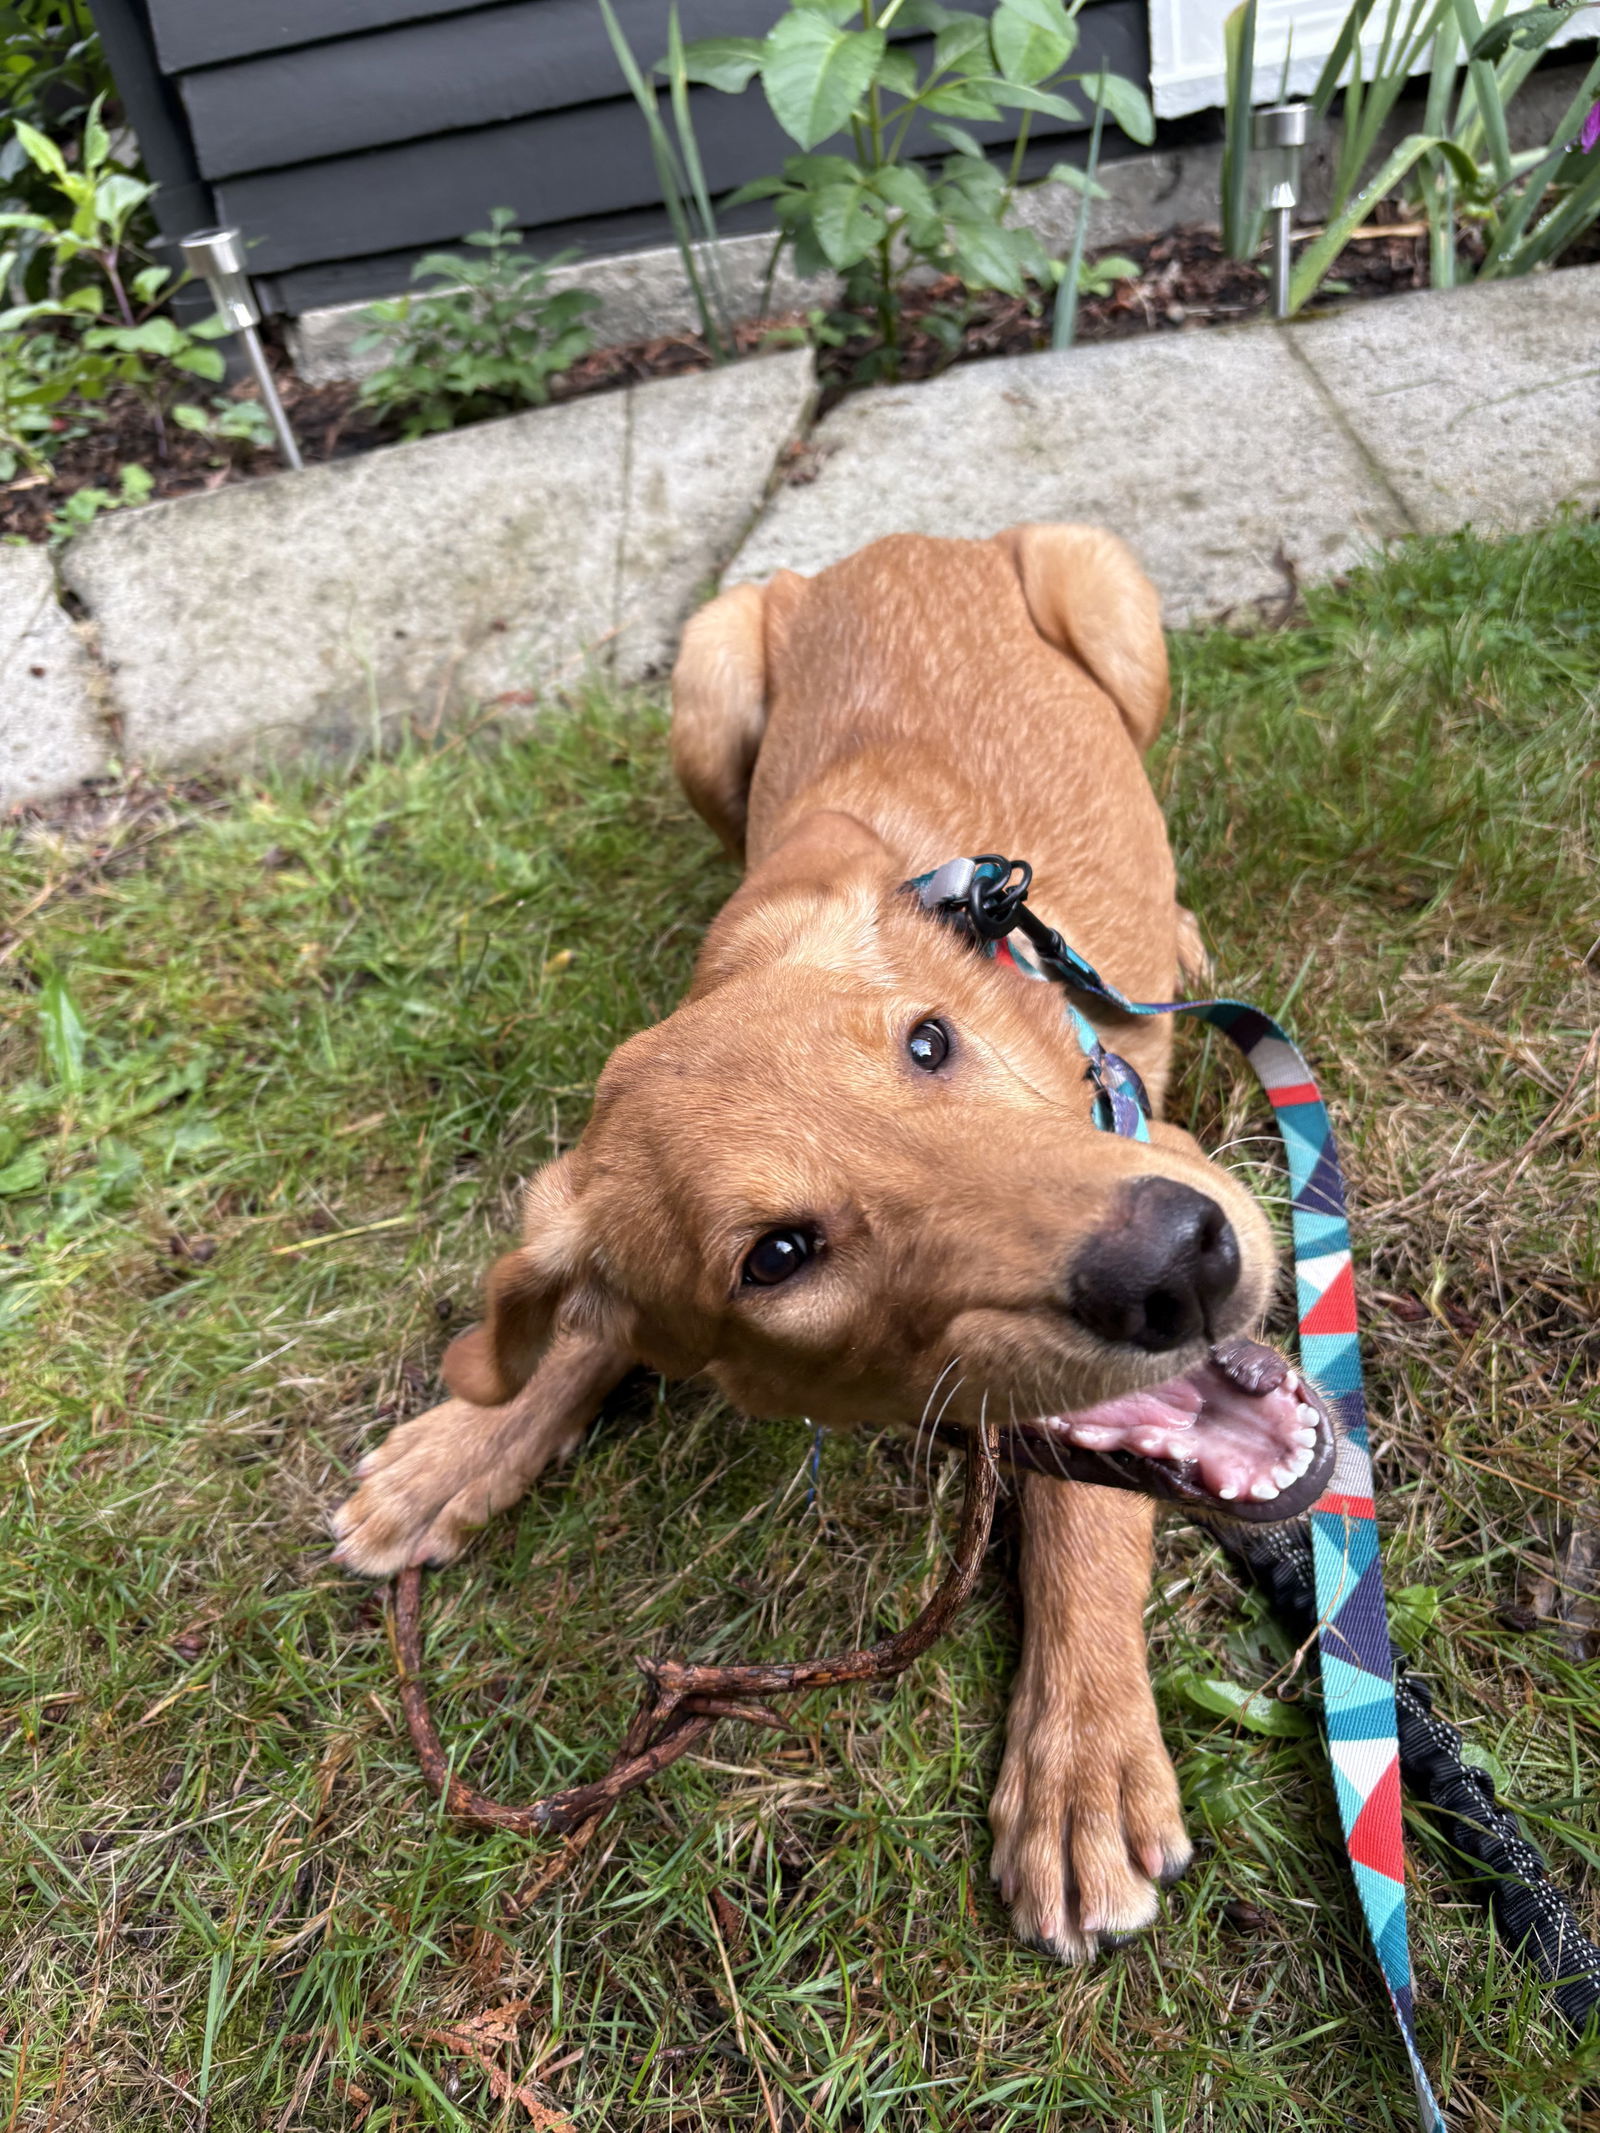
[{"x": 855, "y": 1175}]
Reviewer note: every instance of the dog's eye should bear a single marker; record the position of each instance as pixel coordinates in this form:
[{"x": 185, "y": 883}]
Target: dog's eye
[
  {"x": 777, "y": 1255},
  {"x": 929, "y": 1046}
]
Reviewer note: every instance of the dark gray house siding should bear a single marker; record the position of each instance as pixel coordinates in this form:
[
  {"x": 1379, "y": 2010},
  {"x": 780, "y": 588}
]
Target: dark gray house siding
[{"x": 347, "y": 136}]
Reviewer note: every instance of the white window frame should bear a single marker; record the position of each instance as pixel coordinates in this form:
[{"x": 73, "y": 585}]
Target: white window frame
[{"x": 1187, "y": 66}]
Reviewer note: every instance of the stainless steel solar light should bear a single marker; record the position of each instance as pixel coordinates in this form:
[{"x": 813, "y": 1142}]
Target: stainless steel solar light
[
  {"x": 1280, "y": 137},
  {"x": 217, "y": 256}
]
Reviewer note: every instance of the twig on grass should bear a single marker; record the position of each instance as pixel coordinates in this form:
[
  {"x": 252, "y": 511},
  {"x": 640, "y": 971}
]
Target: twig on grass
[{"x": 682, "y": 1703}]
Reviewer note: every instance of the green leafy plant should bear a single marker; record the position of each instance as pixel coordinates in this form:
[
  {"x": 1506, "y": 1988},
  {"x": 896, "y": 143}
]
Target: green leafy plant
[
  {"x": 244, "y": 424},
  {"x": 51, "y": 71},
  {"x": 102, "y": 322},
  {"x": 876, "y": 215},
  {"x": 1526, "y": 208},
  {"x": 84, "y": 506},
  {"x": 485, "y": 339}
]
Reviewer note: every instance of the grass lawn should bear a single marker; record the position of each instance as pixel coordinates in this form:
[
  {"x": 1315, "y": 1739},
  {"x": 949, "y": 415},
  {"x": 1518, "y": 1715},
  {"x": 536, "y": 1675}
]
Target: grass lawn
[{"x": 275, "y": 1056}]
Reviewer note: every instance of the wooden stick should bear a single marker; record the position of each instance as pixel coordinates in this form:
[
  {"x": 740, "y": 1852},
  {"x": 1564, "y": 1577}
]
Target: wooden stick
[{"x": 682, "y": 1703}]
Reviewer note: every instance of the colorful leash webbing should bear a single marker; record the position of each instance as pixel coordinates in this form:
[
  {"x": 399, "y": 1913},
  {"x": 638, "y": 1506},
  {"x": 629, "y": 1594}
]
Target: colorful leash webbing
[{"x": 1352, "y": 1625}]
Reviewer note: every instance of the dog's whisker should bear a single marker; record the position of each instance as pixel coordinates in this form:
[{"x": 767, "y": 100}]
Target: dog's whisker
[{"x": 929, "y": 1424}]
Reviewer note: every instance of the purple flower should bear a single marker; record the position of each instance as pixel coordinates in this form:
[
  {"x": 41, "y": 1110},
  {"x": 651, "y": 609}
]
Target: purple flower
[{"x": 1590, "y": 136}]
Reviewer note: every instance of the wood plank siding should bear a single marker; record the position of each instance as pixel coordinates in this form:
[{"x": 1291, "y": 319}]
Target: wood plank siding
[{"x": 347, "y": 136}]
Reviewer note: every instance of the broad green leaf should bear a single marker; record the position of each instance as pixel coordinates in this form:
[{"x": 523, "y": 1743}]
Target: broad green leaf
[
  {"x": 815, "y": 73},
  {"x": 904, "y": 186},
  {"x": 1245, "y": 1707},
  {"x": 41, "y": 150},
  {"x": 758, "y": 189},
  {"x": 201, "y": 363},
  {"x": 976, "y": 187},
  {"x": 722, "y": 62},
  {"x": 962, "y": 99},
  {"x": 1531, "y": 28},
  {"x": 136, "y": 484},
  {"x": 1412, "y": 1613},
  {"x": 1023, "y": 50},
  {"x": 1126, "y": 105},
  {"x": 61, "y": 1027},
  {"x": 845, "y": 223},
  {"x": 964, "y": 143},
  {"x": 25, "y": 1173},
  {"x": 96, "y": 141},
  {"x": 986, "y": 254},
  {"x": 1079, "y": 180},
  {"x": 957, "y": 43},
  {"x": 898, "y": 72},
  {"x": 157, "y": 336},
  {"x": 1042, "y": 14},
  {"x": 1023, "y": 98},
  {"x": 117, "y": 196}
]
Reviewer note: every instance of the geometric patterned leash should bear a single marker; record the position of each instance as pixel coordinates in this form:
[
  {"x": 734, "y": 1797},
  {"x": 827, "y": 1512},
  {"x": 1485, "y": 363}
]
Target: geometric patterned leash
[{"x": 1357, "y": 1662}]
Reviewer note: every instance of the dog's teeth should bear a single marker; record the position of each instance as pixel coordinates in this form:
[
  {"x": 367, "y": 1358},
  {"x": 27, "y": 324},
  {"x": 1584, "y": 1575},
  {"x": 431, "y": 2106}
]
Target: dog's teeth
[
  {"x": 1307, "y": 1414},
  {"x": 1307, "y": 1436},
  {"x": 1263, "y": 1490},
  {"x": 1229, "y": 1493}
]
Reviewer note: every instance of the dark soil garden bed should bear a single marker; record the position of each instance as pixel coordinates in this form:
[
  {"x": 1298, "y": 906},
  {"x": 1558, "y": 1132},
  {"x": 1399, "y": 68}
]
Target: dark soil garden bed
[{"x": 1184, "y": 283}]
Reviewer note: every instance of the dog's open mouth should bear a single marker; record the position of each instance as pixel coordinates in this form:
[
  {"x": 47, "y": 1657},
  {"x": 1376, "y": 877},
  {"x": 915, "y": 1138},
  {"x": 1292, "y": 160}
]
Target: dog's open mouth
[{"x": 1241, "y": 1436}]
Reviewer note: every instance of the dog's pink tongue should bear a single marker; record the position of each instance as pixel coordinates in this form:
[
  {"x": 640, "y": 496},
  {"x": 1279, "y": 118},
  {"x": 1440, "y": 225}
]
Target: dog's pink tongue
[{"x": 1239, "y": 1444}]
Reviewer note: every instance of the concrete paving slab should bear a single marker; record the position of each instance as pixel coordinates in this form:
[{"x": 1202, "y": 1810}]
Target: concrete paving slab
[
  {"x": 702, "y": 452},
  {"x": 1213, "y": 453},
  {"x": 50, "y": 733},
  {"x": 1481, "y": 405},
  {"x": 466, "y": 569}
]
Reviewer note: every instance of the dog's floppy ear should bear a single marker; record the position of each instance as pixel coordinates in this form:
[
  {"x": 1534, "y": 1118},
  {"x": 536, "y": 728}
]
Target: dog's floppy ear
[
  {"x": 719, "y": 708},
  {"x": 719, "y": 699},
  {"x": 1089, "y": 598},
  {"x": 549, "y": 1273}
]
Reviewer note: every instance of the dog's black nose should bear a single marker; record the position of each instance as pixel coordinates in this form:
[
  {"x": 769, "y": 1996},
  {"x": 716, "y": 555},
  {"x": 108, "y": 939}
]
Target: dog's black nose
[{"x": 1154, "y": 1275}]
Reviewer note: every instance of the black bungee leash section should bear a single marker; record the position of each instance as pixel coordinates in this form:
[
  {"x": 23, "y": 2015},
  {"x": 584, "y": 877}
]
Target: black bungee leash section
[{"x": 1505, "y": 1871}]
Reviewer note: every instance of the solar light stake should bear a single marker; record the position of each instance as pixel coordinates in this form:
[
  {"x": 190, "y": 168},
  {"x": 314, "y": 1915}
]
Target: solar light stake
[
  {"x": 217, "y": 256},
  {"x": 1280, "y": 135}
]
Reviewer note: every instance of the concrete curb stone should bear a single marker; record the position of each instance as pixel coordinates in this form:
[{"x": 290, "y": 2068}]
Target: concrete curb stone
[
  {"x": 1213, "y": 454},
  {"x": 472, "y": 568},
  {"x": 703, "y": 453},
  {"x": 51, "y": 734},
  {"x": 1482, "y": 406}
]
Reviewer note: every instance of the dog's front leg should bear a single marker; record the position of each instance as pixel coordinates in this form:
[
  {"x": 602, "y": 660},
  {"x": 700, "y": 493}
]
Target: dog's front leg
[
  {"x": 1085, "y": 1816},
  {"x": 435, "y": 1480}
]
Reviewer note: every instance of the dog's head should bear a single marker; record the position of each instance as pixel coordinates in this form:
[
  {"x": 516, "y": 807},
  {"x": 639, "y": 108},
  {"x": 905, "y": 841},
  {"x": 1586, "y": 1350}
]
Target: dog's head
[{"x": 856, "y": 1176}]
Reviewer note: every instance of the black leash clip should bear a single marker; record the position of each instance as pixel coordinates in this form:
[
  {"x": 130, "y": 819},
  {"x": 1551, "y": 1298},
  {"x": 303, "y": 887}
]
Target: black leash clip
[{"x": 994, "y": 900}]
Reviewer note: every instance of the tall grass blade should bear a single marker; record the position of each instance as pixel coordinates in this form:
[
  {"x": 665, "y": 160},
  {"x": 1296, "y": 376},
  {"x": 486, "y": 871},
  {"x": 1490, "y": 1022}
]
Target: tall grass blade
[
  {"x": 689, "y": 146},
  {"x": 1506, "y": 253},
  {"x": 63, "y": 1033},
  {"x": 670, "y": 175},
  {"x": 1064, "y": 326},
  {"x": 1319, "y": 257},
  {"x": 1439, "y": 192},
  {"x": 1564, "y": 222},
  {"x": 1241, "y": 230},
  {"x": 1486, "y": 91}
]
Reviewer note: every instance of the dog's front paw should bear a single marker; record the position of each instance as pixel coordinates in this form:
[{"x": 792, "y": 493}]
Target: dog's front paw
[
  {"x": 433, "y": 1482},
  {"x": 1086, "y": 1825}
]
